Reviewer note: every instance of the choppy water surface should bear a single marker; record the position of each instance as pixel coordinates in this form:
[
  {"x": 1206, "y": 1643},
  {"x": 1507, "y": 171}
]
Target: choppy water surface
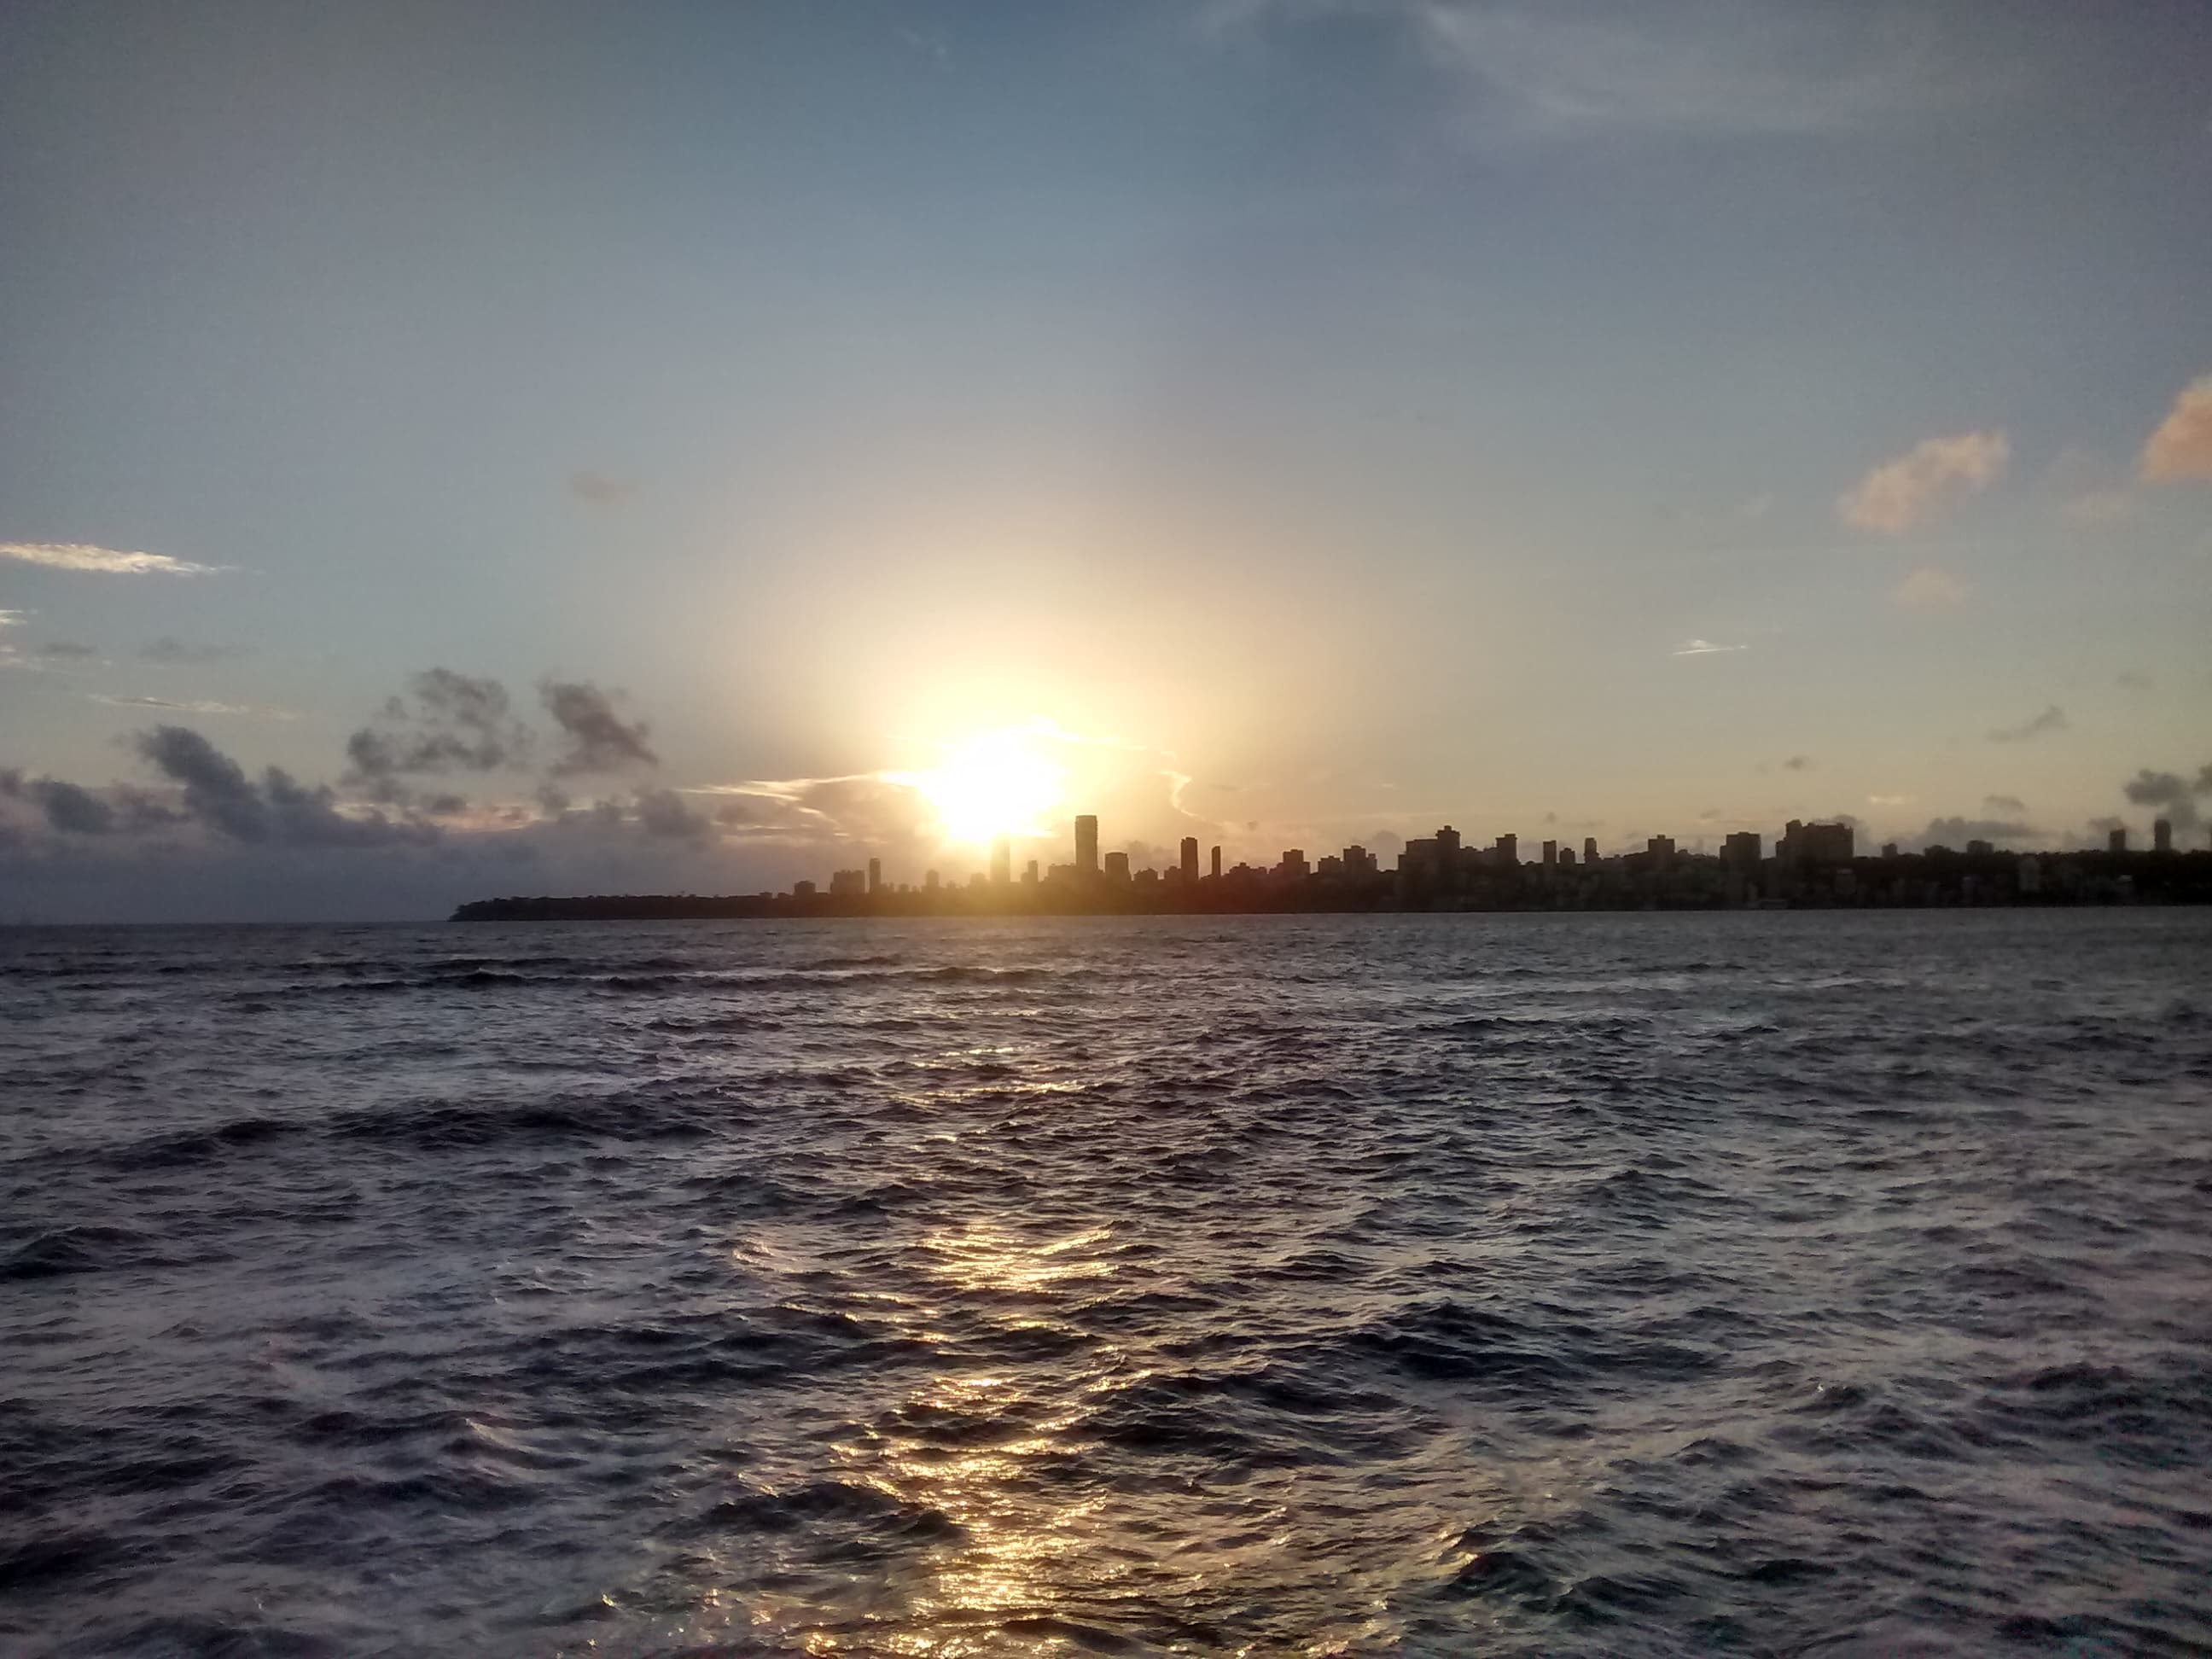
[{"x": 1519, "y": 1284}]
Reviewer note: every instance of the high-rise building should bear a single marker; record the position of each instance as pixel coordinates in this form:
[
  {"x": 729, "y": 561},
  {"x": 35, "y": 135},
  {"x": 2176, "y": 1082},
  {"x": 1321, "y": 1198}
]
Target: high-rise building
[
  {"x": 1293, "y": 866},
  {"x": 1086, "y": 845},
  {"x": 2115, "y": 841},
  {"x": 1117, "y": 864},
  {"x": 2161, "y": 836},
  {"x": 1743, "y": 847},
  {"x": 1550, "y": 858},
  {"x": 802, "y": 890},
  {"x": 875, "y": 875},
  {"x": 1190, "y": 858},
  {"x": 1660, "y": 849},
  {"x": 1980, "y": 849},
  {"x": 929, "y": 881},
  {"x": 1506, "y": 854},
  {"x": 1566, "y": 858},
  {"x": 1029, "y": 874},
  {"x": 1002, "y": 861},
  {"x": 1814, "y": 843},
  {"x": 1590, "y": 849},
  {"x": 1217, "y": 863},
  {"x": 847, "y": 884},
  {"x": 1448, "y": 850}
]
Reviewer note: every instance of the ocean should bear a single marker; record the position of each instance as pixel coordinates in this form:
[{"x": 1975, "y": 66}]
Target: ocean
[{"x": 1651, "y": 1283}]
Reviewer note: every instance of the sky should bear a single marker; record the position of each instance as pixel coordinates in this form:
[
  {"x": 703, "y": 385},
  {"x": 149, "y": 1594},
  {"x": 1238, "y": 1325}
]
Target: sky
[{"x": 450, "y": 450}]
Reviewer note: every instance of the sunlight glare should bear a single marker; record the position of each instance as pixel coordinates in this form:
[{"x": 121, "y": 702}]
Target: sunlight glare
[{"x": 998, "y": 783}]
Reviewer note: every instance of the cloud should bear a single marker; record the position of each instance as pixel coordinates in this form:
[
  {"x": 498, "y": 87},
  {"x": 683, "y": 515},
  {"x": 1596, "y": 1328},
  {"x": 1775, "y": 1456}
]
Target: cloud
[
  {"x": 2173, "y": 796},
  {"x": 192, "y": 706},
  {"x": 1798, "y": 763},
  {"x": 601, "y": 489},
  {"x": 1705, "y": 648},
  {"x": 79, "y": 555},
  {"x": 1890, "y": 801},
  {"x": 1721, "y": 67},
  {"x": 169, "y": 649},
  {"x": 2053, "y": 719},
  {"x": 72, "y": 809},
  {"x": 1995, "y": 805},
  {"x": 1898, "y": 494},
  {"x": 1929, "y": 589},
  {"x": 2181, "y": 448},
  {"x": 12, "y": 619},
  {"x": 598, "y": 738},
  {"x": 1955, "y": 833},
  {"x": 2132, "y": 681},
  {"x": 218, "y": 794},
  {"x": 664, "y": 812},
  {"x": 450, "y": 723},
  {"x": 63, "y": 648}
]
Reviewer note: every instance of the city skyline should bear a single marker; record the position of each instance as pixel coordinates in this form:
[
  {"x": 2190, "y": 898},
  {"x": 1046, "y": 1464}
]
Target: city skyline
[{"x": 527, "y": 437}]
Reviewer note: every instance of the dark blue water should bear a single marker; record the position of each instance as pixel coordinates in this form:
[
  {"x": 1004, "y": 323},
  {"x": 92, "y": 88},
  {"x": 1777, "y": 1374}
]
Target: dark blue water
[{"x": 1605, "y": 1285}]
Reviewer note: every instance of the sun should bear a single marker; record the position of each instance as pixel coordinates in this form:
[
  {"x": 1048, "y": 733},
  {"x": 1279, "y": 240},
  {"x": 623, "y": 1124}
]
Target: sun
[{"x": 998, "y": 783}]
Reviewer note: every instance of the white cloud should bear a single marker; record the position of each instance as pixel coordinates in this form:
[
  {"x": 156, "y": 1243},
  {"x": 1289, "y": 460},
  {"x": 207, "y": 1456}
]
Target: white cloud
[
  {"x": 1900, "y": 494},
  {"x": 1930, "y": 589},
  {"x": 2181, "y": 448},
  {"x": 12, "y": 619},
  {"x": 79, "y": 555},
  {"x": 1706, "y": 648}
]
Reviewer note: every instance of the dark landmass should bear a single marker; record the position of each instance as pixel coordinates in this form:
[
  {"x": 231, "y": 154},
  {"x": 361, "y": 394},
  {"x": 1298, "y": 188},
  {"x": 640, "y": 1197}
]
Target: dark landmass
[{"x": 1640, "y": 881}]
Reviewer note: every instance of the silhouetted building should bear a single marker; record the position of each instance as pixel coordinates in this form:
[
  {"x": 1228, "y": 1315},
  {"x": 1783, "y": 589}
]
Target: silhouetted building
[
  {"x": 875, "y": 875},
  {"x": 1029, "y": 874},
  {"x": 1002, "y": 861},
  {"x": 1566, "y": 858},
  {"x": 1447, "y": 844},
  {"x": 1190, "y": 858},
  {"x": 2115, "y": 841},
  {"x": 1980, "y": 849},
  {"x": 1660, "y": 849},
  {"x": 1217, "y": 863},
  {"x": 1590, "y": 849},
  {"x": 1815, "y": 843},
  {"x": 1358, "y": 861},
  {"x": 929, "y": 881},
  {"x": 1086, "y": 845},
  {"x": 849, "y": 883},
  {"x": 1117, "y": 864},
  {"x": 2161, "y": 836},
  {"x": 1551, "y": 854},
  {"x": 1743, "y": 847},
  {"x": 1293, "y": 866},
  {"x": 802, "y": 890},
  {"x": 1889, "y": 849},
  {"x": 1506, "y": 854}
]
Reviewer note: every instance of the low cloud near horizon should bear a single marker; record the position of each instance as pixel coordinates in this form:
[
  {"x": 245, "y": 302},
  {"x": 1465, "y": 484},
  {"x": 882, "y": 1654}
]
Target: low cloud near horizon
[{"x": 2181, "y": 448}]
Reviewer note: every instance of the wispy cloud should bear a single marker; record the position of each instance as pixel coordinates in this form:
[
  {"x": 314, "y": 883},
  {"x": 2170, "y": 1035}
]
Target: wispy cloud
[
  {"x": 1900, "y": 494},
  {"x": 1705, "y": 648},
  {"x": 2053, "y": 719},
  {"x": 1720, "y": 67},
  {"x": 11, "y": 618},
  {"x": 190, "y": 706},
  {"x": 2098, "y": 506},
  {"x": 2181, "y": 448},
  {"x": 170, "y": 649},
  {"x": 1930, "y": 589},
  {"x": 107, "y": 561}
]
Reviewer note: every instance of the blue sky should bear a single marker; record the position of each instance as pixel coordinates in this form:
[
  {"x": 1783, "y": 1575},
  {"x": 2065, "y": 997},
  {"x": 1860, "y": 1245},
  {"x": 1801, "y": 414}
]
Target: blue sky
[{"x": 1324, "y": 419}]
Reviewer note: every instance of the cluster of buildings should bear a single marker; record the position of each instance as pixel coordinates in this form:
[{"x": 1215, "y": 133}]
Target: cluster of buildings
[{"x": 1809, "y": 863}]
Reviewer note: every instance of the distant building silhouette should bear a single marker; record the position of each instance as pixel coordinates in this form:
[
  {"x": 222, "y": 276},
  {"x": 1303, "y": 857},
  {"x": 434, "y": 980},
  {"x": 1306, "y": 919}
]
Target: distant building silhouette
[
  {"x": 1506, "y": 853},
  {"x": 1086, "y": 845},
  {"x": 1117, "y": 864},
  {"x": 2117, "y": 841},
  {"x": 929, "y": 882},
  {"x": 849, "y": 883},
  {"x": 1217, "y": 863},
  {"x": 2161, "y": 836},
  {"x": 1590, "y": 849},
  {"x": 1814, "y": 843},
  {"x": 875, "y": 875},
  {"x": 1029, "y": 874},
  {"x": 1743, "y": 847},
  {"x": 1550, "y": 856},
  {"x": 1190, "y": 858}
]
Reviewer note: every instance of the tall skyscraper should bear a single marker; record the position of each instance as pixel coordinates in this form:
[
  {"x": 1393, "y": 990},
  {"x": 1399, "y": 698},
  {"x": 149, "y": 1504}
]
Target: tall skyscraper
[
  {"x": 1190, "y": 858},
  {"x": 1217, "y": 863},
  {"x": 1086, "y": 845},
  {"x": 1002, "y": 861},
  {"x": 2161, "y": 836},
  {"x": 1590, "y": 849},
  {"x": 1507, "y": 854},
  {"x": 875, "y": 875},
  {"x": 1551, "y": 854},
  {"x": 1117, "y": 864},
  {"x": 2115, "y": 841}
]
